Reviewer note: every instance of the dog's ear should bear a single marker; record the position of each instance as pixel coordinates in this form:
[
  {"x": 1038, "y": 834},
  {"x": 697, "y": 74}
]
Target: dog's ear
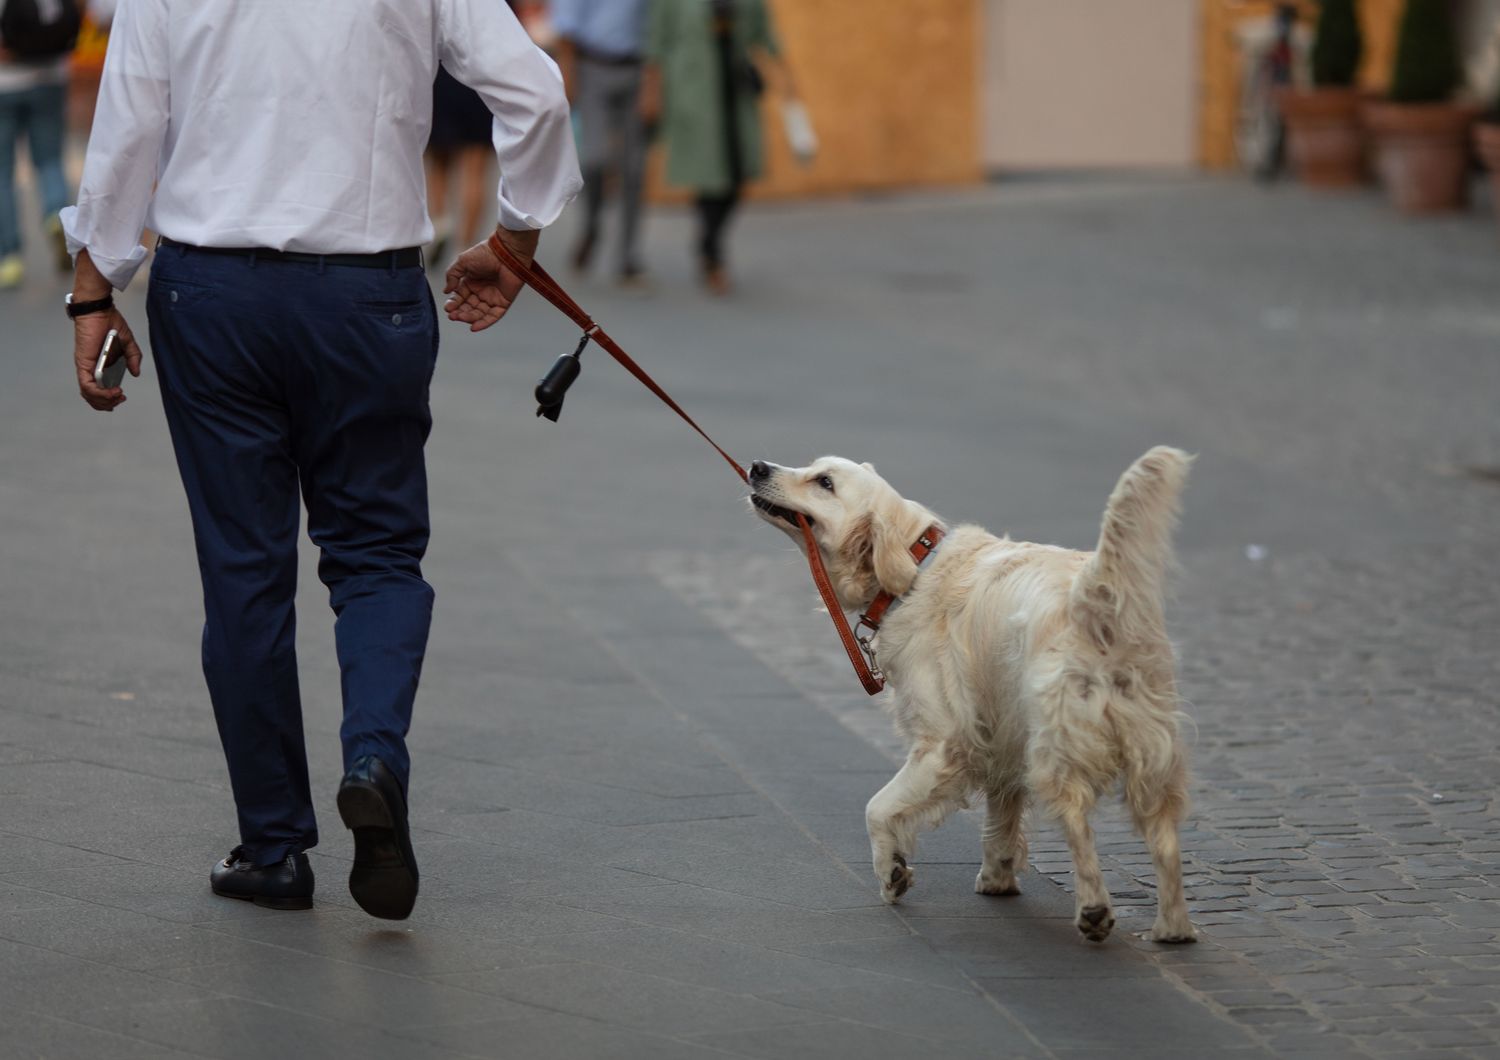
[
  {"x": 869, "y": 467},
  {"x": 875, "y": 552},
  {"x": 856, "y": 560},
  {"x": 890, "y": 559}
]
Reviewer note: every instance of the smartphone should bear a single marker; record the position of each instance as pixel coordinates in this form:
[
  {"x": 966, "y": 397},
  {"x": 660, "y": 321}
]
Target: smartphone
[{"x": 108, "y": 373}]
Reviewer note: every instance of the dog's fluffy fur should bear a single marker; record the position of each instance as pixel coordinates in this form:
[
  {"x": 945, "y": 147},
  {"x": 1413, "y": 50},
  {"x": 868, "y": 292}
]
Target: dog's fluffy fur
[{"x": 1020, "y": 671}]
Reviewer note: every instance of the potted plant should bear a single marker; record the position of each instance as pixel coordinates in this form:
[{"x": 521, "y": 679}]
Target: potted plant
[
  {"x": 1324, "y": 137},
  {"x": 1421, "y": 132}
]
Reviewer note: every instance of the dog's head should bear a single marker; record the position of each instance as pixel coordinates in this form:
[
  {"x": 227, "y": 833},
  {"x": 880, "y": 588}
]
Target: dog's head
[{"x": 863, "y": 527}]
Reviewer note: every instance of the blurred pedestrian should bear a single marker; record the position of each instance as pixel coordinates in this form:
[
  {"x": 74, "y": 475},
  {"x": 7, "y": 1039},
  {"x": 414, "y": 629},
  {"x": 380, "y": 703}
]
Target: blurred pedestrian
[
  {"x": 600, "y": 44},
  {"x": 295, "y": 338},
  {"x": 707, "y": 62},
  {"x": 36, "y": 38},
  {"x": 460, "y": 143}
]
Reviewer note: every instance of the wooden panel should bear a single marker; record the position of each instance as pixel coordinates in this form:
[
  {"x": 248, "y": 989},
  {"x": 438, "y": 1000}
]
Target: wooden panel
[
  {"x": 893, "y": 90},
  {"x": 1222, "y": 66}
]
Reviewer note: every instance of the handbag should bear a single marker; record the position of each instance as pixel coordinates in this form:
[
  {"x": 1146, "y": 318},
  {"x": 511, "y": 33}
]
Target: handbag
[{"x": 799, "y": 131}]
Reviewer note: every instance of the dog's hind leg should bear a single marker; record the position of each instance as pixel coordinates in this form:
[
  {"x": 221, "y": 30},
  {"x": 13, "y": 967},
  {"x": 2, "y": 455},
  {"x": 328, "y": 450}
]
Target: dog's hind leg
[
  {"x": 1071, "y": 760},
  {"x": 1070, "y": 799},
  {"x": 1094, "y": 917},
  {"x": 922, "y": 793},
  {"x": 1158, "y": 802},
  {"x": 1004, "y": 842}
]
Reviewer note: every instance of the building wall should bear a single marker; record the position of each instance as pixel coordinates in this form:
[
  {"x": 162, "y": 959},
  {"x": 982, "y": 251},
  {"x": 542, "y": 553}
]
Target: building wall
[{"x": 1090, "y": 83}]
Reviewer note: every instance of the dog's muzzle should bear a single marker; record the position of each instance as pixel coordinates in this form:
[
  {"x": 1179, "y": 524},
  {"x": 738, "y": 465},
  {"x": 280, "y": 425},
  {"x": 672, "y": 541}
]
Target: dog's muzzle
[{"x": 776, "y": 511}]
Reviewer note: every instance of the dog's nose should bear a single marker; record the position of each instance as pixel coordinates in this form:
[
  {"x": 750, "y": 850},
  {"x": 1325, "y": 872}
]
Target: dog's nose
[{"x": 760, "y": 470}]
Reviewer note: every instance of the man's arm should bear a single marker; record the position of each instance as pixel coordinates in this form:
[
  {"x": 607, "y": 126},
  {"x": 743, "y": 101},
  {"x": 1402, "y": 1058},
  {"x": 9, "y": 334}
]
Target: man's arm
[
  {"x": 657, "y": 43},
  {"x": 567, "y": 65},
  {"x": 485, "y": 47},
  {"x": 119, "y": 173},
  {"x": 130, "y": 125}
]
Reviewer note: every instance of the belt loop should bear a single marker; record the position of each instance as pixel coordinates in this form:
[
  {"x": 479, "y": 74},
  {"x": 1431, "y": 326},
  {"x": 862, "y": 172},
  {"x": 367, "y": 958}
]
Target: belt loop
[
  {"x": 252, "y": 257},
  {"x": 391, "y": 262},
  {"x": 322, "y": 264}
]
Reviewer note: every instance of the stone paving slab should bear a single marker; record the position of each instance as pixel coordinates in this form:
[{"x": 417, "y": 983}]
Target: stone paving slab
[{"x": 641, "y": 763}]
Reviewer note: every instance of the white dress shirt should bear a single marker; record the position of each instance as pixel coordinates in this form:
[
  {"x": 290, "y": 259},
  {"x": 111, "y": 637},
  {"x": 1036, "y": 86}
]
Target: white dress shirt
[{"x": 300, "y": 125}]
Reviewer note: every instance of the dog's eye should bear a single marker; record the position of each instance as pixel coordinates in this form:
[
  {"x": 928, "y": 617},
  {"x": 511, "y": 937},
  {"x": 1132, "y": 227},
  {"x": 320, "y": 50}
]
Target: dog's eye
[{"x": 826, "y": 483}]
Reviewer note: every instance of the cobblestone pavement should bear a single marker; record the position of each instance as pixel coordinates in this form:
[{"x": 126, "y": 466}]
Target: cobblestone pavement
[{"x": 1344, "y": 844}]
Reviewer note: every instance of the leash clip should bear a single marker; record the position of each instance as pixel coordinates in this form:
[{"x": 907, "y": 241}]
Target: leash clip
[{"x": 867, "y": 646}]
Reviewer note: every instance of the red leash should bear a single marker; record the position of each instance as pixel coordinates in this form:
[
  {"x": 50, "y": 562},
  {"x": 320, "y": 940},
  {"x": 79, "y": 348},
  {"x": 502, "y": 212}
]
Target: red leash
[{"x": 861, "y": 655}]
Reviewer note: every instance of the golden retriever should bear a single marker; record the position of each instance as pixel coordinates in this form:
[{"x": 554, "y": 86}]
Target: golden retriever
[{"x": 1020, "y": 671}]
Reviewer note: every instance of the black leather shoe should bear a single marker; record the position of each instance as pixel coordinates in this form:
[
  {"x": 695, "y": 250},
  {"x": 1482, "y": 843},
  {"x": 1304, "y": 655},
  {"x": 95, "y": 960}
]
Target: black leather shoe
[
  {"x": 384, "y": 878},
  {"x": 288, "y": 884}
]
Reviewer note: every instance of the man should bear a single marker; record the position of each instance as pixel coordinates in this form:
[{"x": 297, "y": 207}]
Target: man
[
  {"x": 600, "y": 51},
  {"x": 295, "y": 337}
]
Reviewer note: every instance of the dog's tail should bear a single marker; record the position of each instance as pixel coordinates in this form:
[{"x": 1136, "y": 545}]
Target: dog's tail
[{"x": 1117, "y": 596}]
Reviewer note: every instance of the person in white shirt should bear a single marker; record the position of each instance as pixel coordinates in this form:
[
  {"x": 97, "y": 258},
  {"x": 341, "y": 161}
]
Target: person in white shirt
[{"x": 276, "y": 148}]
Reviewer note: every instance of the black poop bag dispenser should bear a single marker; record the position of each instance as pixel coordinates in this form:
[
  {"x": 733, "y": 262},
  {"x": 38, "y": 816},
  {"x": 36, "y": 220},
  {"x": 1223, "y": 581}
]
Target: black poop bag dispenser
[{"x": 553, "y": 387}]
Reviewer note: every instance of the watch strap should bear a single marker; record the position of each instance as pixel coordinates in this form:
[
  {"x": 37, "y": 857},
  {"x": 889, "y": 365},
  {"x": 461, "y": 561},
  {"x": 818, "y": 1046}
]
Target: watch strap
[{"x": 81, "y": 309}]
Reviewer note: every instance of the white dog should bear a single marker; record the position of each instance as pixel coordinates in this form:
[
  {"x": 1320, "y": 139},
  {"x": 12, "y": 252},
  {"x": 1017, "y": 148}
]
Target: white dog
[{"x": 1020, "y": 671}]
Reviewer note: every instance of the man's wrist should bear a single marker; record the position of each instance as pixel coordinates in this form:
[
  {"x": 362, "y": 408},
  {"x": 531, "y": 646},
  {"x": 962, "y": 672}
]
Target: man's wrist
[
  {"x": 82, "y": 307},
  {"x": 89, "y": 284},
  {"x": 522, "y": 243}
]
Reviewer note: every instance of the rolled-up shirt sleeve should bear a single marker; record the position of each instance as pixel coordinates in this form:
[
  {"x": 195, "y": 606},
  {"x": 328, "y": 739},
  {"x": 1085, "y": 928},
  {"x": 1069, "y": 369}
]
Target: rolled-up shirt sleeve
[
  {"x": 483, "y": 45},
  {"x": 125, "y": 146}
]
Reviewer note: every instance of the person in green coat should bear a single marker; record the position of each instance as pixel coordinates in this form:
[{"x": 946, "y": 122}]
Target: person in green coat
[{"x": 707, "y": 62}]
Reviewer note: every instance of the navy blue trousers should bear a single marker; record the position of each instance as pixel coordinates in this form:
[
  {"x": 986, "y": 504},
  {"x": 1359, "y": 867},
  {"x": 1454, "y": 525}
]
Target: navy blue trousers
[{"x": 278, "y": 377}]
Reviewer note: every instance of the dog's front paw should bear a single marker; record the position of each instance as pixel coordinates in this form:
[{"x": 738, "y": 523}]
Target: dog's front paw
[
  {"x": 997, "y": 883},
  {"x": 1167, "y": 931},
  {"x": 897, "y": 881},
  {"x": 1095, "y": 922}
]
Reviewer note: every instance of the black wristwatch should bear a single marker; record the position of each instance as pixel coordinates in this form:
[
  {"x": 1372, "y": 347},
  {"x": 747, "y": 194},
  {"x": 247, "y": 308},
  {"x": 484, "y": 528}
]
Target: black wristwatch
[{"x": 83, "y": 309}]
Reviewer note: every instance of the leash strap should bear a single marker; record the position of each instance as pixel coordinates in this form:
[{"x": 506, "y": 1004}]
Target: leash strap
[
  {"x": 537, "y": 278},
  {"x": 861, "y": 654}
]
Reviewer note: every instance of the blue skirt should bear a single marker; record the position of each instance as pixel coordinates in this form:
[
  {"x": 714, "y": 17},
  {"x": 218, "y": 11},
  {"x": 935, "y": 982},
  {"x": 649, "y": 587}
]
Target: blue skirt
[{"x": 459, "y": 116}]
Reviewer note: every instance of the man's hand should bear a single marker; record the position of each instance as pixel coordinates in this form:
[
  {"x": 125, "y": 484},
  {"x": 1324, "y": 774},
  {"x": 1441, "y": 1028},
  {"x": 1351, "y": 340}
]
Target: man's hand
[
  {"x": 88, "y": 338},
  {"x": 480, "y": 289}
]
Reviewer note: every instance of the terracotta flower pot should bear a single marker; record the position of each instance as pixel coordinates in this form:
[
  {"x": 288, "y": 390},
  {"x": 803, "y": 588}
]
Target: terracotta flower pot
[
  {"x": 1487, "y": 143},
  {"x": 1422, "y": 153},
  {"x": 1325, "y": 138}
]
